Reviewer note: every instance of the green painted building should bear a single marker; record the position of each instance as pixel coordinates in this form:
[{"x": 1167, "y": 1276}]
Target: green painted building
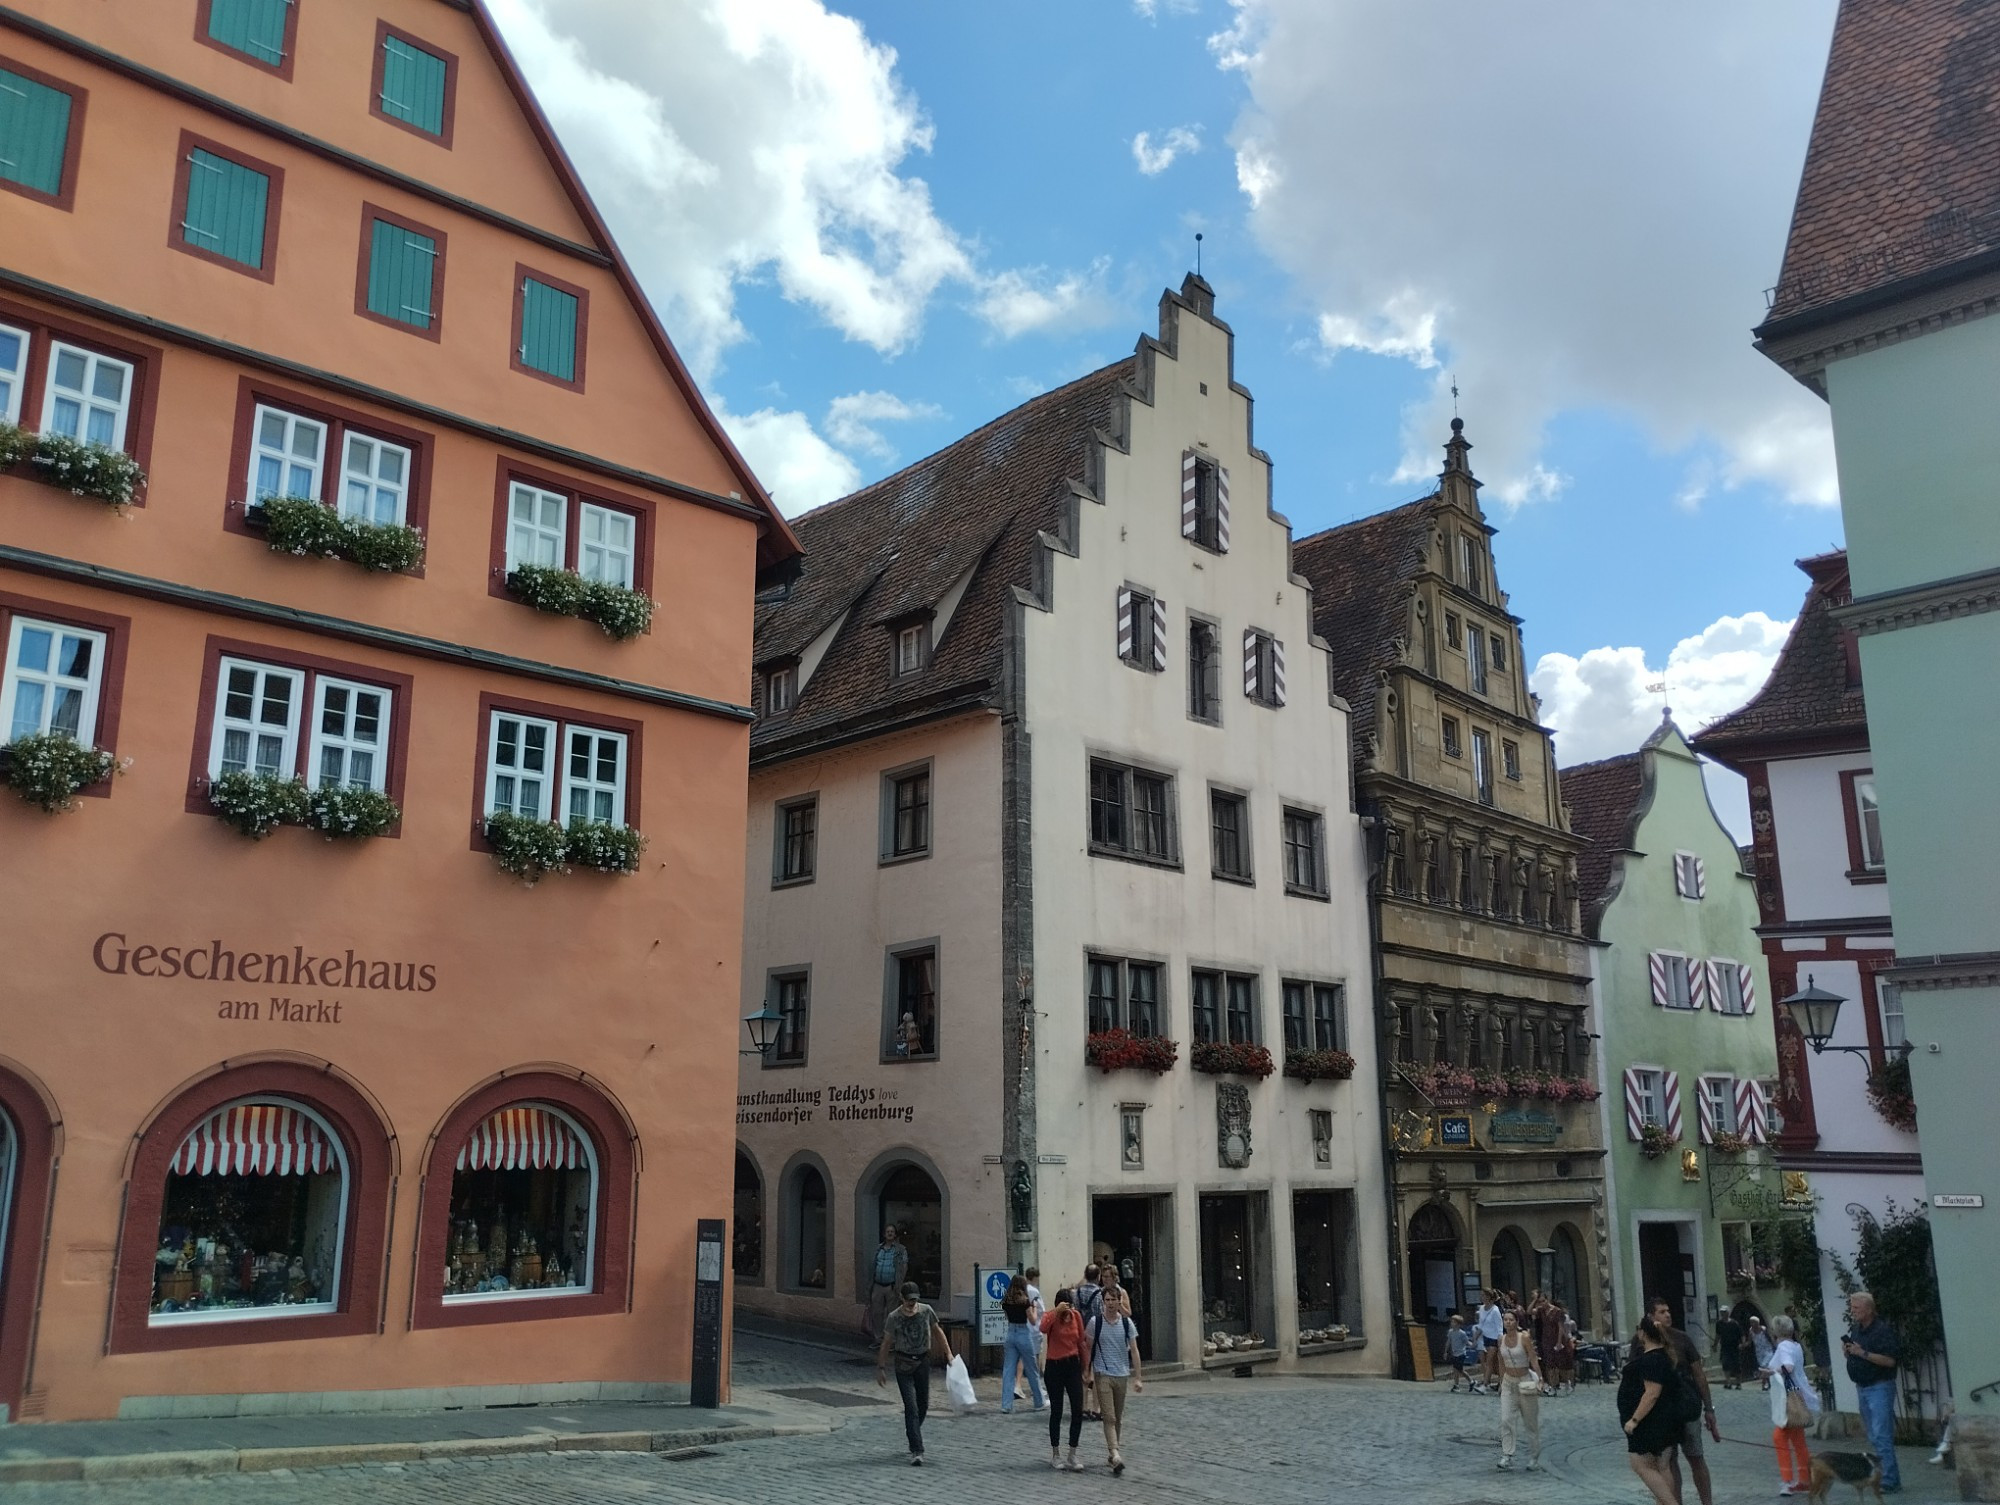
[{"x": 1687, "y": 1056}]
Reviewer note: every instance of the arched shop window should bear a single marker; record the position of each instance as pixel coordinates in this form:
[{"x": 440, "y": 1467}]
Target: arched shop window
[
  {"x": 523, "y": 1207},
  {"x": 254, "y": 1217}
]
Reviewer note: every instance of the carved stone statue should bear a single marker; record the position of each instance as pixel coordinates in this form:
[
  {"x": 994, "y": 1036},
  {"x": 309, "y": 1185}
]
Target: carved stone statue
[
  {"x": 1021, "y": 1187},
  {"x": 1232, "y": 1124}
]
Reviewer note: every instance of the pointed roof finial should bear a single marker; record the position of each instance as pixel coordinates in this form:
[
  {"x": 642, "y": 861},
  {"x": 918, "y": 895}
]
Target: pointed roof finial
[{"x": 1456, "y": 448}]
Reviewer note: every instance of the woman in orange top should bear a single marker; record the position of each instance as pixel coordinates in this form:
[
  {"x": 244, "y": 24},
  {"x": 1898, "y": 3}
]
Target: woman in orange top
[{"x": 1063, "y": 1374}]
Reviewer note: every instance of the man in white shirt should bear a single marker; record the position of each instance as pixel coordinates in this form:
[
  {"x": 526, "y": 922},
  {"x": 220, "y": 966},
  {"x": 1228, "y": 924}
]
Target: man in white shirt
[{"x": 1491, "y": 1325}]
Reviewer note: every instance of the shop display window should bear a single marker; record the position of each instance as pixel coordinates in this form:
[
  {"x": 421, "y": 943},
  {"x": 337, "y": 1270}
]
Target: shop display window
[
  {"x": 253, "y": 1217},
  {"x": 1323, "y": 1256},
  {"x": 523, "y": 1207},
  {"x": 1228, "y": 1268}
]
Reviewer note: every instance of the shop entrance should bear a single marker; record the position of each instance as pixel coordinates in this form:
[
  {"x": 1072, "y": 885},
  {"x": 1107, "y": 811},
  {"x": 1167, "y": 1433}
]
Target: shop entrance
[
  {"x": 1235, "y": 1283},
  {"x": 1433, "y": 1251},
  {"x": 1511, "y": 1264},
  {"x": 911, "y": 1201},
  {"x": 1665, "y": 1270},
  {"x": 747, "y": 1246},
  {"x": 1323, "y": 1258},
  {"x": 1135, "y": 1233}
]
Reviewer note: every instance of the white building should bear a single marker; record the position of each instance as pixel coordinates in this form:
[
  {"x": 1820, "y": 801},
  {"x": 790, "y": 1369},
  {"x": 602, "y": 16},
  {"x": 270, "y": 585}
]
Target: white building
[{"x": 1049, "y": 751}]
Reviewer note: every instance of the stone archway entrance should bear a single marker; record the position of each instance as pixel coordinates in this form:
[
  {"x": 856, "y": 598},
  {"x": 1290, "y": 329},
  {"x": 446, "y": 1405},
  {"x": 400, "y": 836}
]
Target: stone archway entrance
[
  {"x": 747, "y": 1241},
  {"x": 1433, "y": 1244},
  {"x": 911, "y": 1200},
  {"x": 1566, "y": 1275},
  {"x": 1511, "y": 1265}
]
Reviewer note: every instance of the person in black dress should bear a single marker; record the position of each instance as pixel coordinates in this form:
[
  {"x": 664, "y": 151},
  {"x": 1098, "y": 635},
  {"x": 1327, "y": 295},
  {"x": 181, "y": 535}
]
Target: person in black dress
[{"x": 1646, "y": 1407}]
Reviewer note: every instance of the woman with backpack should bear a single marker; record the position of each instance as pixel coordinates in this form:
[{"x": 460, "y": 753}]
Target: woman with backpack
[
  {"x": 1064, "y": 1377},
  {"x": 1794, "y": 1403},
  {"x": 1018, "y": 1306}
]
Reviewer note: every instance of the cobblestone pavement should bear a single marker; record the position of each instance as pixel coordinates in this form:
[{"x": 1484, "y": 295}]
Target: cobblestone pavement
[{"x": 1195, "y": 1440}]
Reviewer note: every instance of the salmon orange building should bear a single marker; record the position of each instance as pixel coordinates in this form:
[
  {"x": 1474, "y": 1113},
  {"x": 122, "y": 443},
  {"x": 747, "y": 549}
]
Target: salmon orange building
[{"x": 366, "y": 554}]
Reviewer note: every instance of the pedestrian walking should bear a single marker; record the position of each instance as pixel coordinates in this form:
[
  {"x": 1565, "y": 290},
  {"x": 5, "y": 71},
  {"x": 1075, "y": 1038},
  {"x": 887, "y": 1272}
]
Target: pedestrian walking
[
  {"x": 1692, "y": 1402},
  {"x": 1036, "y": 1310},
  {"x": 1019, "y": 1353},
  {"x": 1559, "y": 1354},
  {"x": 1110, "y": 1363},
  {"x": 1790, "y": 1417},
  {"x": 1520, "y": 1393},
  {"x": 910, "y": 1335},
  {"x": 1646, "y": 1410},
  {"x": 1873, "y": 1351},
  {"x": 1089, "y": 1299},
  {"x": 1729, "y": 1349},
  {"x": 1489, "y": 1338},
  {"x": 890, "y": 1269},
  {"x": 1760, "y": 1347},
  {"x": 1064, "y": 1377},
  {"x": 1461, "y": 1348}
]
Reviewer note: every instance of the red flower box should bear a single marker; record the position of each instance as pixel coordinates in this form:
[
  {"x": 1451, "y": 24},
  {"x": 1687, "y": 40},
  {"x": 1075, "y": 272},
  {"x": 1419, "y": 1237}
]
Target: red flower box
[
  {"x": 1219, "y": 1059},
  {"x": 1121, "y": 1050},
  {"x": 1319, "y": 1065}
]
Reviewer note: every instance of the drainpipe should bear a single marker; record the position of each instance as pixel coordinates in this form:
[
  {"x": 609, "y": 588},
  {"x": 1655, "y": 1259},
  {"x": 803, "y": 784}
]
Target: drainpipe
[{"x": 1402, "y": 1367}]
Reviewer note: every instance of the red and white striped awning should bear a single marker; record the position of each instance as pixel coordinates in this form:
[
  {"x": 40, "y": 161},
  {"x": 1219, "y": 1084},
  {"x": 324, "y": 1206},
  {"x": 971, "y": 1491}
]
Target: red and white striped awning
[
  {"x": 524, "y": 1138},
  {"x": 255, "y": 1139}
]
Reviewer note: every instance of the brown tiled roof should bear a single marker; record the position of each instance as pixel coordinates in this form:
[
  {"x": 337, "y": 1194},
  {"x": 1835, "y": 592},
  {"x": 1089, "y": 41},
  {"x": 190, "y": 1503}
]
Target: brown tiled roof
[
  {"x": 1902, "y": 176},
  {"x": 1603, "y": 799},
  {"x": 1361, "y": 575},
  {"x": 1807, "y": 697},
  {"x": 895, "y": 548}
]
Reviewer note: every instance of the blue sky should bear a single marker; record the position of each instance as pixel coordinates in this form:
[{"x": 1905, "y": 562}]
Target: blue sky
[{"x": 873, "y": 226}]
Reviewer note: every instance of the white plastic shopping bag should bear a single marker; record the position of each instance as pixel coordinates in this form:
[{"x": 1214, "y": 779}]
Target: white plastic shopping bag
[{"x": 958, "y": 1385}]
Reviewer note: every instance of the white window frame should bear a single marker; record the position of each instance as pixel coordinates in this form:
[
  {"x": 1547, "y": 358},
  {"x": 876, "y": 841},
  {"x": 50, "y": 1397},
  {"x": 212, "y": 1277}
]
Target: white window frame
[
  {"x": 1774, "y": 1119},
  {"x": 1725, "y": 981},
  {"x": 591, "y": 785},
  {"x": 614, "y": 562},
  {"x": 470, "y": 1298},
  {"x": 223, "y": 724},
  {"x": 86, "y": 395},
  {"x": 551, "y": 775},
  {"x": 1865, "y": 802},
  {"x": 371, "y": 478},
  {"x": 15, "y": 376},
  {"x": 780, "y": 692},
  {"x": 534, "y": 530},
  {"x": 910, "y": 648},
  {"x": 1721, "y": 1105},
  {"x": 286, "y": 457},
  {"x": 321, "y": 739},
  {"x": 1895, "y": 1025},
  {"x": 91, "y": 685},
  {"x": 1652, "y": 1084}
]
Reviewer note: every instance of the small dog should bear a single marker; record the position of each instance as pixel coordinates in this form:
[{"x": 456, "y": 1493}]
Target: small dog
[{"x": 1862, "y": 1470}]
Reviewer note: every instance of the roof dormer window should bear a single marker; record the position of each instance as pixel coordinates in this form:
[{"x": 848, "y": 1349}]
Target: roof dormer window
[
  {"x": 913, "y": 648},
  {"x": 780, "y": 690}
]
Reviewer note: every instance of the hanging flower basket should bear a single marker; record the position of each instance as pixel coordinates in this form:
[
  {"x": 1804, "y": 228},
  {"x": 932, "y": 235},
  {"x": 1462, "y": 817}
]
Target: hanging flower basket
[
  {"x": 1319, "y": 1065},
  {"x": 1120, "y": 1050},
  {"x": 1218, "y": 1059},
  {"x": 1655, "y": 1141},
  {"x": 1890, "y": 1091},
  {"x": 49, "y": 769},
  {"x": 82, "y": 469}
]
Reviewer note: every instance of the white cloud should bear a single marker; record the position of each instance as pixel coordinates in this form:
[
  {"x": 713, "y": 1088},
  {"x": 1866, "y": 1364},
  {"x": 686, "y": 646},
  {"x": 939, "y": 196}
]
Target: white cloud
[
  {"x": 1154, "y": 160},
  {"x": 797, "y": 465},
  {"x": 1150, "y": 9},
  {"x": 1609, "y": 700},
  {"x": 1582, "y": 217},
  {"x": 851, "y": 420},
  {"x": 1028, "y": 302}
]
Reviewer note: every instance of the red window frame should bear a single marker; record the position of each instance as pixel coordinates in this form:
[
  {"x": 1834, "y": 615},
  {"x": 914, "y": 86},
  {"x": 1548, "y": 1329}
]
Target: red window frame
[
  {"x": 522, "y": 271},
  {"x": 641, "y": 508},
  {"x": 383, "y": 31},
  {"x": 371, "y": 213},
  {"x": 117, "y": 632},
  {"x": 44, "y": 329},
  {"x": 565, "y": 717},
  {"x": 251, "y": 392},
  {"x": 370, "y": 1177},
  {"x": 313, "y": 666},
  {"x": 613, "y": 1140},
  {"x": 177, "y": 208},
  {"x": 65, "y": 198},
  {"x": 1858, "y": 870}
]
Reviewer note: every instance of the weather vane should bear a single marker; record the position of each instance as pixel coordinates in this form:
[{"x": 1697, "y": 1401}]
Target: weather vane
[{"x": 1454, "y": 393}]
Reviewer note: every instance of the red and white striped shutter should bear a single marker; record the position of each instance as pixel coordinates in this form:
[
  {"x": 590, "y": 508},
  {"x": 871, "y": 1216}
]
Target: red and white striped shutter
[
  {"x": 1656, "y": 969},
  {"x": 1159, "y": 635},
  {"x": 1635, "y": 1112},
  {"x": 1698, "y": 988},
  {"x": 1747, "y": 981},
  {"x": 1222, "y": 509},
  {"x": 1671, "y": 1090},
  {"x": 1705, "y": 1112},
  {"x": 1700, "y": 879},
  {"x": 1250, "y": 664},
  {"x": 1190, "y": 495},
  {"x": 1124, "y": 623},
  {"x": 1750, "y": 1110},
  {"x": 1277, "y": 672}
]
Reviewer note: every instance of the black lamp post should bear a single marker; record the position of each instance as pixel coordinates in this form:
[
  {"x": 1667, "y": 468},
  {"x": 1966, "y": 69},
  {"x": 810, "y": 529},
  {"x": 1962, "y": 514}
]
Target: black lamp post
[
  {"x": 763, "y": 1026},
  {"x": 1815, "y": 1011}
]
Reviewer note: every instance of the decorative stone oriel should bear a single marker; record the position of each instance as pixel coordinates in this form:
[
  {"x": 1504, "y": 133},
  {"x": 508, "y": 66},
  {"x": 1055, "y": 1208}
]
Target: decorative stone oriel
[{"x": 1232, "y": 1124}]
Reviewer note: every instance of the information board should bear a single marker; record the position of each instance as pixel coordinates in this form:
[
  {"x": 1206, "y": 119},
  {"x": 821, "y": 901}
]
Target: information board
[{"x": 709, "y": 1240}]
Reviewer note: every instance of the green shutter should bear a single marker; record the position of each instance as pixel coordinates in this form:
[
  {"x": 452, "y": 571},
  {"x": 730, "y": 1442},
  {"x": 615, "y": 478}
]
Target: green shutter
[
  {"x": 225, "y": 208},
  {"x": 34, "y": 132},
  {"x": 412, "y": 85},
  {"x": 400, "y": 268},
  {"x": 255, "y": 28},
  {"x": 548, "y": 329}
]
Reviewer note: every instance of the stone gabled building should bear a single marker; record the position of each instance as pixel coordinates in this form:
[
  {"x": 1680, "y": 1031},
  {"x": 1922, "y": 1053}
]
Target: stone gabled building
[
  {"x": 1483, "y": 974},
  {"x": 1052, "y": 861}
]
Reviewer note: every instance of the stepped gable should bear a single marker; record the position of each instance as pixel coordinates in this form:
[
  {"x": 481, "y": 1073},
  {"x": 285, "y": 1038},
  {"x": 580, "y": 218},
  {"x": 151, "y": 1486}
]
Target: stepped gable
[
  {"x": 1808, "y": 696},
  {"x": 1902, "y": 175},
  {"x": 1360, "y": 573},
  {"x": 896, "y": 548},
  {"x": 1606, "y": 801}
]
